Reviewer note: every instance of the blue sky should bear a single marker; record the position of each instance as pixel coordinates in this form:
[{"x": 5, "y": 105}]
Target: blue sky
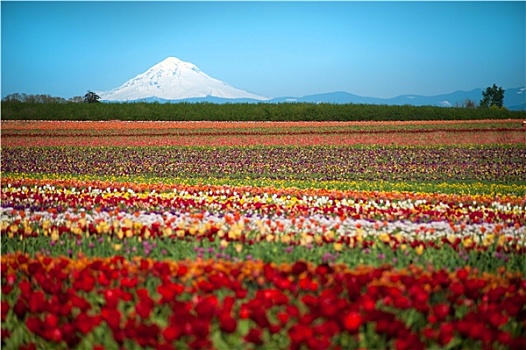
[{"x": 377, "y": 49}]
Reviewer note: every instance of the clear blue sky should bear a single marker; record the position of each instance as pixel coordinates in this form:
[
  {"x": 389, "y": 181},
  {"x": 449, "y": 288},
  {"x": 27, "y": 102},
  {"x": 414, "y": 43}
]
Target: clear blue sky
[{"x": 378, "y": 49}]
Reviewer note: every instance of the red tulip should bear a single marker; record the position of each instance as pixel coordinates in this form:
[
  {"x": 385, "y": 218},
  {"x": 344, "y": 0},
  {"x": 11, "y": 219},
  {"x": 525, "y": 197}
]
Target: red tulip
[
  {"x": 25, "y": 288},
  {"x": 200, "y": 328},
  {"x": 321, "y": 343},
  {"x": 226, "y": 323},
  {"x": 206, "y": 307},
  {"x": 352, "y": 321},
  {"x": 85, "y": 281},
  {"x": 283, "y": 318},
  {"x": 457, "y": 289},
  {"x": 20, "y": 307},
  {"x": 497, "y": 319},
  {"x": 85, "y": 323},
  {"x": 445, "y": 334},
  {"x": 410, "y": 341},
  {"x": 5, "y": 309},
  {"x": 496, "y": 294},
  {"x": 145, "y": 304},
  {"x": 112, "y": 317},
  {"x": 171, "y": 333},
  {"x": 298, "y": 267},
  {"x": 441, "y": 311},
  {"x": 30, "y": 346},
  {"x": 37, "y": 302},
  {"x": 299, "y": 333},
  {"x": 462, "y": 274},
  {"x": 51, "y": 320}
]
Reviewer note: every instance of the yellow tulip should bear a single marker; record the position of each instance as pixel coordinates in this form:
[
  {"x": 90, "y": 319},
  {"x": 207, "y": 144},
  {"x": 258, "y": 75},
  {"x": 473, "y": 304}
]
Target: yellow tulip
[
  {"x": 13, "y": 228},
  {"x": 467, "y": 242},
  {"x": 167, "y": 231},
  {"x": 54, "y": 235},
  {"x": 488, "y": 240},
  {"x": 120, "y": 234},
  {"x": 384, "y": 237}
]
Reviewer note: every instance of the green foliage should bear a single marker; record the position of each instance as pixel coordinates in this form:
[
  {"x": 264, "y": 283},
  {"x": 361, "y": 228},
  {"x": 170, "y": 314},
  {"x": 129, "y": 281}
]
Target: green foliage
[
  {"x": 175, "y": 249},
  {"x": 12, "y": 110},
  {"x": 492, "y": 97}
]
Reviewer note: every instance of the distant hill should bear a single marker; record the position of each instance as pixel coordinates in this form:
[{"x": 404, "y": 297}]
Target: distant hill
[
  {"x": 173, "y": 80},
  {"x": 513, "y": 99}
]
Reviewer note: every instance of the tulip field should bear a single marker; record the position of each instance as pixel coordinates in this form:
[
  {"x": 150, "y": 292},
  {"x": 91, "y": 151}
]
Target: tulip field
[{"x": 263, "y": 235}]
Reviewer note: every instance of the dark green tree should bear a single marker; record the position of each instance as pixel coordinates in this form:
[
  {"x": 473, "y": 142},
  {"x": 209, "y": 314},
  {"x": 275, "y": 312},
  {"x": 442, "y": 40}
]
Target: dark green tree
[
  {"x": 493, "y": 96},
  {"x": 91, "y": 97}
]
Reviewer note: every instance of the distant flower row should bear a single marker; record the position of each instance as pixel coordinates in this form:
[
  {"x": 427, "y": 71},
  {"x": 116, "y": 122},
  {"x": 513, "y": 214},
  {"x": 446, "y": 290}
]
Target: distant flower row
[
  {"x": 481, "y": 163},
  {"x": 117, "y": 133},
  {"x": 54, "y": 125}
]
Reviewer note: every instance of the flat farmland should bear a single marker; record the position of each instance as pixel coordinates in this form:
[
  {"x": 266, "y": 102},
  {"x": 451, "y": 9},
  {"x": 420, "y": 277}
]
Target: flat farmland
[{"x": 263, "y": 235}]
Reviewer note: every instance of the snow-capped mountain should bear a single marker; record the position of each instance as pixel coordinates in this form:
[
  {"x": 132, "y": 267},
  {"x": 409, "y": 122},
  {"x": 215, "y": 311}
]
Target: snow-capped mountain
[{"x": 173, "y": 79}]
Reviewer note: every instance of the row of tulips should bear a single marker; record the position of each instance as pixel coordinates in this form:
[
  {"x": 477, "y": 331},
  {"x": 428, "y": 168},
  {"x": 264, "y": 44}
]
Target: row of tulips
[
  {"x": 249, "y": 132},
  {"x": 98, "y": 303},
  {"x": 435, "y": 137},
  {"x": 117, "y": 133},
  {"x": 65, "y": 126},
  {"x": 453, "y": 163},
  {"x": 145, "y": 183},
  {"x": 255, "y": 214},
  {"x": 108, "y": 195},
  {"x": 139, "y": 134}
]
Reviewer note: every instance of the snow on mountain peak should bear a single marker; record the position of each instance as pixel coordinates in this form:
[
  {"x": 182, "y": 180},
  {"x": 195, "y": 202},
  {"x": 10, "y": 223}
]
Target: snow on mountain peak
[
  {"x": 175, "y": 63},
  {"x": 174, "y": 79}
]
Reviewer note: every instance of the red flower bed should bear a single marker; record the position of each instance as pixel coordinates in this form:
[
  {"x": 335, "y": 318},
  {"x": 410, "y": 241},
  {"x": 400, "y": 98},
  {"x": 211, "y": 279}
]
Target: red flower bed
[
  {"x": 58, "y": 302},
  {"x": 126, "y": 125},
  {"x": 138, "y": 134}
]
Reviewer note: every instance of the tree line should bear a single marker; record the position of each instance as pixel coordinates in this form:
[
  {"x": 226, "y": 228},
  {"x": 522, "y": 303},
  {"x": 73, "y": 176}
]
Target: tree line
[
  {"x": 40, "y": 98},
  {"x": 89, "y": 97},
  {"x": 245, "y": 112},
  {"x": 30, "y": 107}
]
